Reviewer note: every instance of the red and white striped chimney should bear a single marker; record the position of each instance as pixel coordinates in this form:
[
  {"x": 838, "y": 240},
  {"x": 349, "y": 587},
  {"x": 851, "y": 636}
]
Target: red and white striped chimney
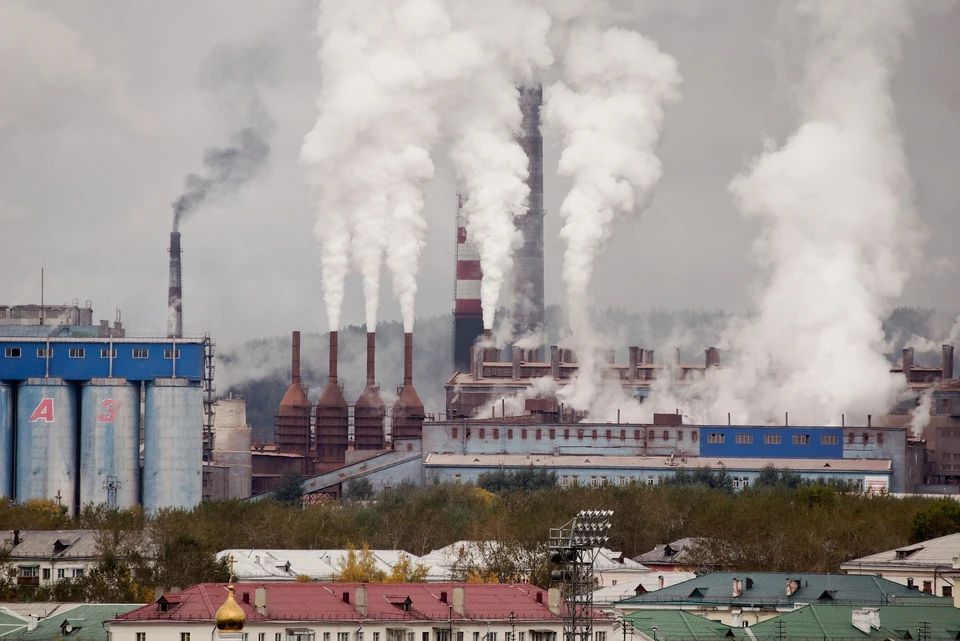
[{"x": 467, "y": 312}]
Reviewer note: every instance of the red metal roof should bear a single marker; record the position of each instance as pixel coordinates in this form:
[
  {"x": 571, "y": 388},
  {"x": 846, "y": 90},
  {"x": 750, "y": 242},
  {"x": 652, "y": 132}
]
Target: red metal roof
[{"x": 324, "y": 602}]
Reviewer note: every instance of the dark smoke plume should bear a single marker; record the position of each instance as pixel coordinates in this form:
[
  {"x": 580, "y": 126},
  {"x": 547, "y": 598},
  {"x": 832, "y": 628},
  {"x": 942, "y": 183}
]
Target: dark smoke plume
[{"x": 235, "y": 75}]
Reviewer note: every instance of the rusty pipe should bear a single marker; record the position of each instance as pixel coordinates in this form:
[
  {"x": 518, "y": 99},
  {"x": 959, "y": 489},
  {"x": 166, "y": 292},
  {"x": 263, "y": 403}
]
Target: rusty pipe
[
  {"x": 408, "y": 358},
  {"x": 334, "y": 350},
  {"x": 371, "y": 353}
]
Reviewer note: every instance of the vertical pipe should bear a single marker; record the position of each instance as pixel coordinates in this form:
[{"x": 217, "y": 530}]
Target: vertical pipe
[
  {"x": 371, "y": 353},
  {"x": 947, "y": 363},
  {"x": 786, "y": 419},
  {"x": 173, "y": 357},
  {"x": 632, "y": 363},
  {"x": 869, "y": 420},
  {"x": 295, "y": 358},
  {"x": 175, "y": 290},
  {"x": 408, "y": 358},
  {"x": 47, "y": 360},
  {"x": 110, "y": 354},
  {"x": 333, "y": 357},
  {"x": 728, "y": 419}
]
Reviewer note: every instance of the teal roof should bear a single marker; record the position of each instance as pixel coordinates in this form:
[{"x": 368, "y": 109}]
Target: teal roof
[
  {"x": 680, "y": 625},
  {"x": 10, "y": 625},
  {"x": 769, "y": 589},
  {"x": 835, "y": 622},
  {"x": 87, "y": 621}
]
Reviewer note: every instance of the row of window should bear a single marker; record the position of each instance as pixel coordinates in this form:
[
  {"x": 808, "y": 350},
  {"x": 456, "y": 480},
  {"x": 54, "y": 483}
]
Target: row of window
[
  {"x": 33, "y": 571},
  {"x": 396, "y": 635},
  {"x": 745, "y": 438},
  {"x": 650, "y": 435},
  {"x": 80, "y": 352}
]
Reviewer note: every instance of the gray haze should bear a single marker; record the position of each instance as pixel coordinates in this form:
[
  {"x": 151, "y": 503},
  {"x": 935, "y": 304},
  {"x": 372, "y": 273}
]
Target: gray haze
[{"x": 104, "y": 107}]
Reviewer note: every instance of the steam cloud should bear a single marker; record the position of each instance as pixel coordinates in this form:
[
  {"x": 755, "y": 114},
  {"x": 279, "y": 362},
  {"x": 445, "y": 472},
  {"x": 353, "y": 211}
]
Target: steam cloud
[
  {"x": 838, "y": 233},
  {"x": 227, "y": 169}
]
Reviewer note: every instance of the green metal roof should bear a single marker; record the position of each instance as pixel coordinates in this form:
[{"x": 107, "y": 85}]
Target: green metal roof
[
  {"x": 835, "y": 622},
  {"x": 87, "y": 621},
  {"x": 10, "y": 625},
  {"x": 680, "y": 625},
  {"x": 769, "y": 589}
]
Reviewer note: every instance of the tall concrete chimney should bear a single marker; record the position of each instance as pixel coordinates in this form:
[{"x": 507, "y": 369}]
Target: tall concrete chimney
[
  {"x": 947, "y": 367},
  {"x": 175, "y": 291},
  {"x": 408, "y": 412},
  {"x": 528, "y": 314},
  {"x": 467, "y": 313}
]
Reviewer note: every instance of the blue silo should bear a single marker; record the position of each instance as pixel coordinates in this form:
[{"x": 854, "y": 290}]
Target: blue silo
[
  {"x": 172, "y": 444},
  {"x": 110, "y": 442},
  {"x": 47, "y": 441},
  {"x": 6, "y": 440}
]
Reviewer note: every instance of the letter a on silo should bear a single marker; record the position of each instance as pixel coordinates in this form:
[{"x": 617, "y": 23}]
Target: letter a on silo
[{"x": 44, "y": 411}]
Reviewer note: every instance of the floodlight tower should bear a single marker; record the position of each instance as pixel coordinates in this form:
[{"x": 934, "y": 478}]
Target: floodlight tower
[{"x": 574, "y": 548}]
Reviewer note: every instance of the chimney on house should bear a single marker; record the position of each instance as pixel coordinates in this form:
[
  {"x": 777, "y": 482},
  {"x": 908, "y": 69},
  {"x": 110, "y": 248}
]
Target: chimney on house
[
  {"x": 737, "y": 587},
  {"x": 260, "y": 601},
  {"x": 360, "y": 601},
  {"x": 553, "y": 601},
  {"x": 460, "y": 601},
  {"x": 443, "y": 596},
  {"x": 792, "y": 586}
]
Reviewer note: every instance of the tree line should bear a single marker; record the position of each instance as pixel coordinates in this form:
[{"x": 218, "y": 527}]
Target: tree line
[{"x": 774, "y": 527}]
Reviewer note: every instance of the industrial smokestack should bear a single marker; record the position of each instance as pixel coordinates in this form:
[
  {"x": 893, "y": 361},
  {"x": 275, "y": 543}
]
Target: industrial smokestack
[
  {"x": 408, "y": 413},
  {"x": 528, "y": 259},
  {"x": 907, "y": 363},
  {"x": 947, "y": 363},
  {"x": 175, "y": 291},
  {"x": 295, "y": 358},
  {"x": 334, "y": 354},
  {"x": 632, "y": 363},
  {"x": 371, "y": 355},
  {"x": 408, "y": 358}
]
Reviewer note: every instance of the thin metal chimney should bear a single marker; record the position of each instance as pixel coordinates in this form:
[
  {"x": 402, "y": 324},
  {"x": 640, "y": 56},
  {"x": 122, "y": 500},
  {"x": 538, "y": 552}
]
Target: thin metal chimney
[
  {"x": 295, "y": 358},
  {"x": 175, "y": 291},
  {"x": 947, "y": 365}
]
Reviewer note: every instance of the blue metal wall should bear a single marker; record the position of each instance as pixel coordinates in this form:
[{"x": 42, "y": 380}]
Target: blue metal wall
[
  {"x": 47, "y": 441},
  {"x": 110, "y": 441},
  {"x": 6, "y": 440},
  {"x": 173, "y": 442},
  {"x": 824, "y": 442},
  {"x": 95, "y": 365}
]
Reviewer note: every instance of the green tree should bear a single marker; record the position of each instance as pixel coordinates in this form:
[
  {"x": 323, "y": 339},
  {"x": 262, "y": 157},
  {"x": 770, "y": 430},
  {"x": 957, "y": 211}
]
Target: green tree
[
  {"x": 938, "y": 519},
  {"x": 290, "y": 490},
  {"x": 527, "y": 479},
  {"x": 358, "y": 489}
]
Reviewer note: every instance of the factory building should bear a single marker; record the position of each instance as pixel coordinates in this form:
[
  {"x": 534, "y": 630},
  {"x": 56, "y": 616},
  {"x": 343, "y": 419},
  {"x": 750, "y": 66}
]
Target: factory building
[{"x": 78, "y": 404}]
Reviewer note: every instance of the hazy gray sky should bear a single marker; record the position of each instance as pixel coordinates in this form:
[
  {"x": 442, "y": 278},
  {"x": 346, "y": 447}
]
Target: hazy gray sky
[{"x": 103, "y": 112}]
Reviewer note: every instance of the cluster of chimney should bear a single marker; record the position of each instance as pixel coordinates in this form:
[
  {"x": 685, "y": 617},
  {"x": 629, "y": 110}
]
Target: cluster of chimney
[
  {"x": 332, "y": 413},
  {"x": 915, "y": 375}
]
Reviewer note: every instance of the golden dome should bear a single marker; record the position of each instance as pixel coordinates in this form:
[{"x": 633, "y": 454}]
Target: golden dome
[{"x": 230, "y": 616}]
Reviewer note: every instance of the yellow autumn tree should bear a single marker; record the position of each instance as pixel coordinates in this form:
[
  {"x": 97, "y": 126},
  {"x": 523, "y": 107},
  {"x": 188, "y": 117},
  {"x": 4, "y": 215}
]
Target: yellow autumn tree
[
  {"x": 406, "y": 572},
  {"x": 359, "y": 568}
]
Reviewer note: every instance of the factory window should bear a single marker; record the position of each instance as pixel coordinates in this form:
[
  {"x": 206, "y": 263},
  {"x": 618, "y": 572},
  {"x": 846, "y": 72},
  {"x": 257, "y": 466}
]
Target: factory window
[
  {"x": 454, "y": 432},
  {"x": 553, "y": 434},
  {"x": 652, "y": 435},
  {"x": 509, "y": 433},
  {"x": 603, "y": 480},
  {"x": 171, "y": 353},
  {"x": 343, "y": 636},
  {"x": 636, "y": 435},
  {"x": 850, "y": 437},
  {"x": 601, "y": 636},
  {"x": 260, "y": 637},
  {"x": 623, "y": 435},
  {"x": 141, "y": 353},
  {"x": 801, "y": 439},
  {"x": 539, "y": 434},
  {"x": 580, "y": 434},
  {"x": 12, "y": 352},
  {"x": 185, "y": 636},
  {"x": 679, "y": 435},
  {"x": 593, "y": 481},
  {"x": 564, "y": 481},
  {"x": 483, "y": 432},
  {"x": 928, "y": 587},
  {"x": 714, "y": 437},
  {"x": 141, "y": 636},
  {"x": 376, "y": 636},
  {"x": 694, "y": 435},
  {"x": 575, "y": 480},
  {"x": 326, "y": 636},
  {"x": 608, "y": 434},
  {"x": 593, "y": 433},
  {"x": 45, "y": 352},
  {"x": 623, "y": 480},
  {"x": 76, "y": 352},
  {"x": 772, "y": 439},
  {"x": 948, "y": 590},
  {"x": 880, "y": 438},
  {"x": 740, "y": 482},
  {"x": 523, "y": 434},
  {"x": 108, "y": 353},
  {"x": 744, "y": 439},
  {"x": 566, "y": 433},
  {"x": 649, "y": 480},
  {"x": 666, "y": 434},
  {"x": 866, "y": 438},
  {"x": 496, "y": 433},
  {"x": 828, "y": 439}
]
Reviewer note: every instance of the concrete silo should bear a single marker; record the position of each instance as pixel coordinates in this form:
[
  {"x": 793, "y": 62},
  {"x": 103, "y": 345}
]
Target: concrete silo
[
  {"x": 110, "y": 443},
  {"x": 6, "y": 440},
  {"x": 47, "y": 441},
  {"x": 231, "y": 446},
  {"x": 173, "y": 444}
]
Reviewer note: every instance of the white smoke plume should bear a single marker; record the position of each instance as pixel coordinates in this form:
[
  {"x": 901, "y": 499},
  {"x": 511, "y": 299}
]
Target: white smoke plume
[
  {"x": 838, "y": 232},
  {"x": 490, "y": 163},
  {"x": 610, "y": 115},
  {"x": 386, "y": 68},
  {"x": 920, "y": 416}
]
